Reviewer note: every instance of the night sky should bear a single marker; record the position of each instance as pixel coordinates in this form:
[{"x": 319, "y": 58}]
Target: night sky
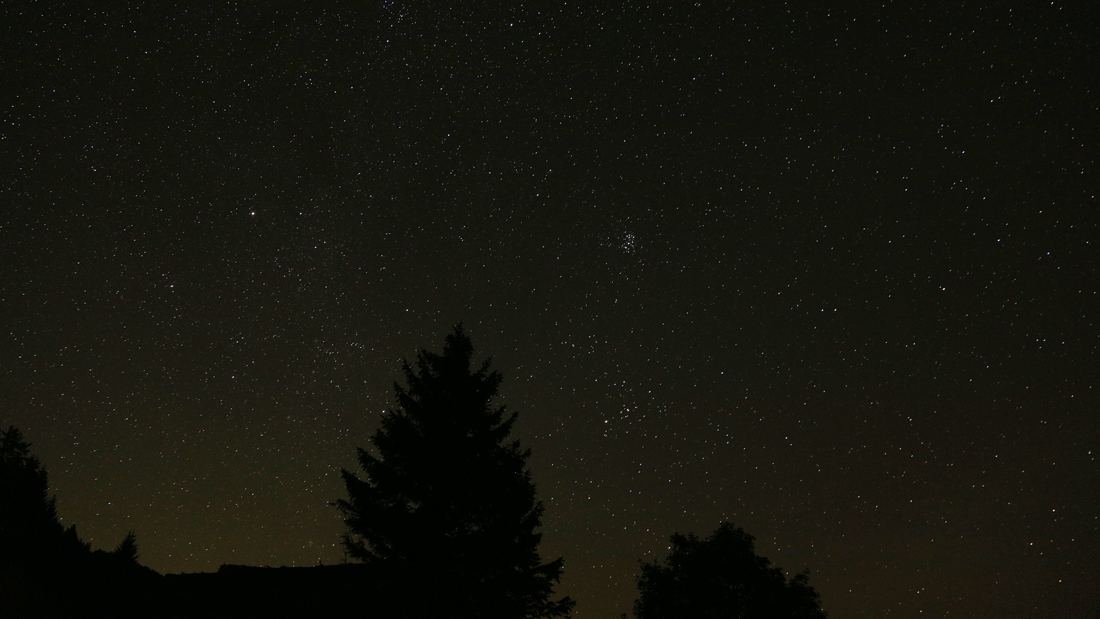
[{"x": 826, "y": 272}]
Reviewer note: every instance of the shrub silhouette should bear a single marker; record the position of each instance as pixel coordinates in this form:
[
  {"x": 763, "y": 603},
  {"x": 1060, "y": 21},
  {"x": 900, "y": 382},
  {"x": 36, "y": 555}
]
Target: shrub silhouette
[{"x": 722, "y": 576}]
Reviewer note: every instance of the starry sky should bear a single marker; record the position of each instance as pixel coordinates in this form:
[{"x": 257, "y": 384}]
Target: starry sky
[{"x": 826, "y": 271}]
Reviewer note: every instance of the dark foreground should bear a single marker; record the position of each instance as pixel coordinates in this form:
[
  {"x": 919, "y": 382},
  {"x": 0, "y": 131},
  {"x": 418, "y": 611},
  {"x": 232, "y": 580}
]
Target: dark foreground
[{"x": 232, "y": 591}]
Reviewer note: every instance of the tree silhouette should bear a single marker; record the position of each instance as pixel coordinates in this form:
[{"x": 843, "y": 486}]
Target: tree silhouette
[
  {"x": 447, "y": 502},
  {"x": 30, "y": 532},
  {"x": 722, "y": 576},
  {"x": 127, "y": 550},
  {"x": 46, "y": 570}
]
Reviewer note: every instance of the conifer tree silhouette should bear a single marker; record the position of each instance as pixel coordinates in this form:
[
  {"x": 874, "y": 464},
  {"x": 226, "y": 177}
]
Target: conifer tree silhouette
[
  {"x": 127, "y": 550},
  {"x": 447, "y": 501},
  {"x": 30, "y": 532},
  {"x": 45, "y": 568}
]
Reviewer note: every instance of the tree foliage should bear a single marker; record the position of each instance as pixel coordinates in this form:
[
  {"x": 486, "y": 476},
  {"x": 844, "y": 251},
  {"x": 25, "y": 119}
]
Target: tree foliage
[
  {"x": 127, "y": 550},
  {"x": 31, "y": 534},
  {"x": 446, "y": 498},
  {"x": 46, "y": 570},
  {"x": 722, "y": 576},
  {"x": 30, "y": 531}
]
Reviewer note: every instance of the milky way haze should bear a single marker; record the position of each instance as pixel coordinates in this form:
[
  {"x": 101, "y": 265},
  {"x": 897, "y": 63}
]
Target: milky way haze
[{"x": 829, "y": 274}]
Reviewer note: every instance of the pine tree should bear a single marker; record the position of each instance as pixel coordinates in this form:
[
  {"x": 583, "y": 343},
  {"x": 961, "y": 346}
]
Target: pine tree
[
  {"x": 447, "y": 500},
  {"x": 127, "y": 551},
  {"x": 30, "y": 531}
]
